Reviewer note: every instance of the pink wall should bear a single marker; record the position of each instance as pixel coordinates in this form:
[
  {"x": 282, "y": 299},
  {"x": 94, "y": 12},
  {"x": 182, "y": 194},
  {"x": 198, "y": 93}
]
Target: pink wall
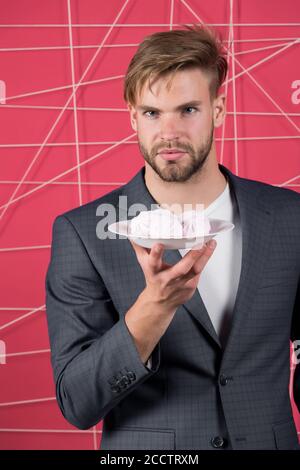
[{"x": 39, "y": 154}]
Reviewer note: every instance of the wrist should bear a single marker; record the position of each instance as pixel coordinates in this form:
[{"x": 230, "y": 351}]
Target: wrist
[{"x": 160, "y": 306}]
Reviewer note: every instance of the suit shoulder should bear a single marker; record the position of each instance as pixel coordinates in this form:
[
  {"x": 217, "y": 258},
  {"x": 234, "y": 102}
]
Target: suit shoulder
[
  {"x": 281, "y": 197},
  {"x": 273, "y": 194}
]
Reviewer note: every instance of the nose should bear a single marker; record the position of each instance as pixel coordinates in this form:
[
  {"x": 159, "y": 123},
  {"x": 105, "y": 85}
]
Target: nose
[{"x": 169, "y": 128}]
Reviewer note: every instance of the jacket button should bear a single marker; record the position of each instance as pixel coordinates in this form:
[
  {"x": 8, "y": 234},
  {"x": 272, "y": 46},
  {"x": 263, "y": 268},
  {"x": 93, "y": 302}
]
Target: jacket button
[
  {"x": 223, "y": 380},
  {"x": 217, "y": 442},
  {"x": 131, "y": 376},
  {"x": 115, "y": 388},
  {"x": 123, "y": 381}
]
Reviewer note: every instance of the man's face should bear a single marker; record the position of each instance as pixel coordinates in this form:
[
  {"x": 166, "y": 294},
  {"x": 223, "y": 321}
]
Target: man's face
[{"x": 181, "y": 118}]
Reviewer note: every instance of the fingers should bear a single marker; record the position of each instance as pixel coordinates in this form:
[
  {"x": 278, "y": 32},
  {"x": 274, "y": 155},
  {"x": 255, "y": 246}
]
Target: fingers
[
  {"x": 201, "y": 262},
  {"x": 189, "y": 266},
  {"x": 154, "y": 255},
  {"x": 193, "y": 262},
  {"x": 185, "y": 264}
]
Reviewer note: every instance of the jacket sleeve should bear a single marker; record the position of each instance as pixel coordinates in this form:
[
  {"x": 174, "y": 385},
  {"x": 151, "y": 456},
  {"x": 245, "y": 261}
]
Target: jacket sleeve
[
  {"x": 94, "y": 358},
  {"x": 295, "y": 337}
]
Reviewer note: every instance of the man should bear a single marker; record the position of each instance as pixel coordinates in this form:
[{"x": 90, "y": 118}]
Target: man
[{"x": 179, "y": 349}]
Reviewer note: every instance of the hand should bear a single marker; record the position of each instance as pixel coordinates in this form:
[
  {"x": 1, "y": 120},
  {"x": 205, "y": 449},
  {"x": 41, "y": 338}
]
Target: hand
[{"x": 172, "y": 285}]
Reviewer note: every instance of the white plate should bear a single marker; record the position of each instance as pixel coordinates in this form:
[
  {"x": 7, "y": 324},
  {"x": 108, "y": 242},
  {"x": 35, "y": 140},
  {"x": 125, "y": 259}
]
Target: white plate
[{"x": 218, "y": 226}]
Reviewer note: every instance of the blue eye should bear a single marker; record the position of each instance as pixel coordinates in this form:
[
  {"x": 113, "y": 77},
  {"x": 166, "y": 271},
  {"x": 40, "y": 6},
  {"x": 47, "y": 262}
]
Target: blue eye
[
  {"x": 190, "y": 107},
  {"x": 146, "y": 113}
]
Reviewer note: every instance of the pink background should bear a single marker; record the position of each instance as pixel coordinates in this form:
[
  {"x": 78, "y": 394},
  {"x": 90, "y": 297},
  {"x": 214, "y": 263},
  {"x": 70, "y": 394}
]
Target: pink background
[{"x": 40, "y": 176}]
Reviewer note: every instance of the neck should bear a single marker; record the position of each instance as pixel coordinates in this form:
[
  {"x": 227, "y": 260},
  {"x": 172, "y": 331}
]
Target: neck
[{"x": 202, "y": 188}]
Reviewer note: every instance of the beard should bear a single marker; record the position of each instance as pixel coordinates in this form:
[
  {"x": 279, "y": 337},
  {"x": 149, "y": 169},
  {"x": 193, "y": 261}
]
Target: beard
[{"x": 183, "y": 169}]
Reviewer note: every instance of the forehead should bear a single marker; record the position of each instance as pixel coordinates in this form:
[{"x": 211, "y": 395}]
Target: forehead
[{"x": 189, "y": 84}]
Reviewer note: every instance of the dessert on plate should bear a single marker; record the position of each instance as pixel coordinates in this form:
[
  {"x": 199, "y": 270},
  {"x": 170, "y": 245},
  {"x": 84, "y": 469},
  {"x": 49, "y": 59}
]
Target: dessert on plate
[{"x": 163, "y": 223}]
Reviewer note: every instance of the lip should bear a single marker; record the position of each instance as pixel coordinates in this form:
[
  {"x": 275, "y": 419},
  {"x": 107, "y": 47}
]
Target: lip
[{"x": 171, "y": 154}]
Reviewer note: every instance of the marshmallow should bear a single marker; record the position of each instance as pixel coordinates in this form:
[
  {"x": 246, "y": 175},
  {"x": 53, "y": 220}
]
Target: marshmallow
[
  {"x": 162, "y": 223},
  {"x": 195, "y": 224},
  {"x": 159, "y": 223}
]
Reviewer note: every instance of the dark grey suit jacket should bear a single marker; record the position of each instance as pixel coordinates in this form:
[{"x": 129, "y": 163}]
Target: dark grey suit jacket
[{"x": 197, "y": 395}]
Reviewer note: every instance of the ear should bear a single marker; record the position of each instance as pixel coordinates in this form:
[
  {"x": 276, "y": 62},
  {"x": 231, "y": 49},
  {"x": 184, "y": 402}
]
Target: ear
[
  {"x": 132, "y": 113},
  {"x": 219, "y": 110}
]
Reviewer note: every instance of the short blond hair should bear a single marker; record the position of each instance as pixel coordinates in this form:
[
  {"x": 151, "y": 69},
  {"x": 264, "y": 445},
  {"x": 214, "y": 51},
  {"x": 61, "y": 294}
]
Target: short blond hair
[{"x": 164, "y": 53}]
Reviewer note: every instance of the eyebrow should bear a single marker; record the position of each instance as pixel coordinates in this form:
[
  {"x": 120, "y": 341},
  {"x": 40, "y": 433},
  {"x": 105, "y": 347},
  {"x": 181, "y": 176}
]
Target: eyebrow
[{"x": 179, "y": 107}]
